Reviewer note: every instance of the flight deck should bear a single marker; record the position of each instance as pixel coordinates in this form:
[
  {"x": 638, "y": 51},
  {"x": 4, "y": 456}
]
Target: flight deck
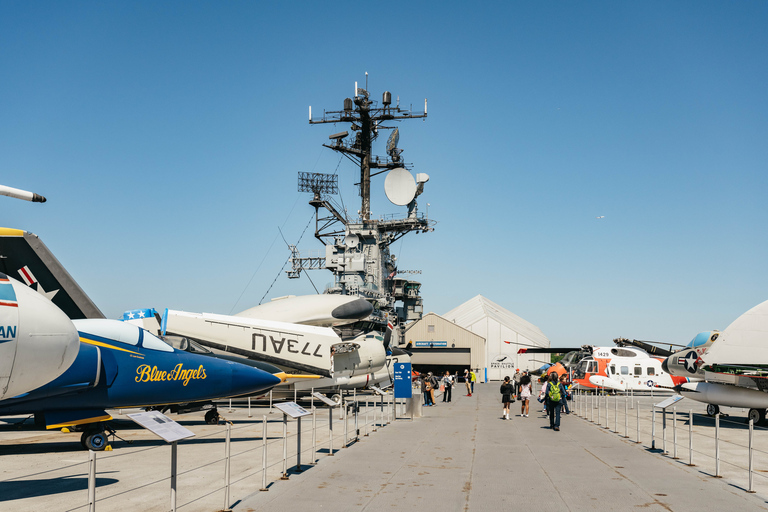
[{"x": 457, "y": 456}]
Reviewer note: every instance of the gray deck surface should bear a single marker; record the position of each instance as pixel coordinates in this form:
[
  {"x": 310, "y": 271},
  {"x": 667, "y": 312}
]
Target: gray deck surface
[{"x": 463, "y": 457}]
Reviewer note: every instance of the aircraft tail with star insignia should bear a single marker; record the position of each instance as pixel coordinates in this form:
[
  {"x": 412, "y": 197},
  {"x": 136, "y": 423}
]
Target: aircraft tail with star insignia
[{"x": 25, "y": 257}]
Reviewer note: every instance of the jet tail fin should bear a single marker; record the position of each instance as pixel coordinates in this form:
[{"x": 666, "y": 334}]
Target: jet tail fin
[{"x": 25, "y": 257}]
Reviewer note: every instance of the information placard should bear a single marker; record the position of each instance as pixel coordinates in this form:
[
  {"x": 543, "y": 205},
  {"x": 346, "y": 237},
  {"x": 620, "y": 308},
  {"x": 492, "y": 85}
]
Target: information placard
[
  {"x": 403, "y": 380},
  {"x": 292, "y": 409},
  {"x": 669, "y": 401},
  {"x": 324, "y": 399},
  {"x": 161, "y": 425}
]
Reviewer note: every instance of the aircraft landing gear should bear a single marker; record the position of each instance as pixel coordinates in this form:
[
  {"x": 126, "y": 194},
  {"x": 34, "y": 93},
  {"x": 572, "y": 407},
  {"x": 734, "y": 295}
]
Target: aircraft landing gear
[
  {"x": 712, "y": 409},
  {"x": 756, "y": 415},
  {"x": 212, "y": 417},
  {"x": 94, "y": 440}
]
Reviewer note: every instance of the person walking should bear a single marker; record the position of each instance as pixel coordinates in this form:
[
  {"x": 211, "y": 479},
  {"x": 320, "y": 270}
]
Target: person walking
[
  {"x": 425, "y": 387},
  {"x": 525, "y": 394},
  {"x": 432, "y": 385},
  {"x": 506, "y": 390},
  {"x": 566, "y": 393},
  {"x": 472, "y": 379},
  {"x": 448, "y": 384},
  {"x": 467, "y": 382},
  {"x": 554, "y": 394},
  {"x": 516, "y": 381}
]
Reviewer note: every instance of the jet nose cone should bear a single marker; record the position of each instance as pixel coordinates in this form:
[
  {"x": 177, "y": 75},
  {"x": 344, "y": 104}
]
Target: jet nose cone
[
  {"x": 664, "y": 366},
  {"x": 356, "y": 309},
  {"x": 247, "y": 380}
]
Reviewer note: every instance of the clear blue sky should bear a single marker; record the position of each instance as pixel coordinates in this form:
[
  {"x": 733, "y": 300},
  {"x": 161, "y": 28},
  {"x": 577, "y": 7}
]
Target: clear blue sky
[{"x": 167, "y": 137}]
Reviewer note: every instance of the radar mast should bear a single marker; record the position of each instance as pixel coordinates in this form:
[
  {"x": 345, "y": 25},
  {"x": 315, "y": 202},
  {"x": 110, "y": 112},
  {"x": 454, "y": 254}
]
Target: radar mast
[{"x": 357, "y": 249}]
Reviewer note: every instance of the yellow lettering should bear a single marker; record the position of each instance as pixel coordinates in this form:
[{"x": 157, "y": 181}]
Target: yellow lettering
[{"x": 143, "y": 373}]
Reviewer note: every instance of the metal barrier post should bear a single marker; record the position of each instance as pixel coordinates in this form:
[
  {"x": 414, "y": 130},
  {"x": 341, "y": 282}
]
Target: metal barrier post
[
  {"x": 375, "y": 416},
  {"x": 249, "y": 407},
  {"x": 616, "y": 414},
  {"x": 264, "y": 453},
  {"x": 637, "y": 412},
  {"x": 346, "y": 426},
  {"x": 674, "y": 433},
  {"x": 298, "y": 445},
  {"x": 285, "y": 448},
  {"x": 365, "y": 418},
  {"x": 626, "y": 419},
  {"x": 314, "y": 435},
  {"x": 330, "y": 430},
  {"x": 717, "y": 445},
  {"x": 227, "y": 452},
  {"x": 690, "y": 438},
  {"x": 357, "y": 425},
  {"x": 653, "y": 428},
  {"x": 270, "y": 401},
  {"x": 664, "y": 432},
  {"x": 173, "y": 475},
  {"x": 91, "y": 481},
  {"x": 751, "y": 473}
]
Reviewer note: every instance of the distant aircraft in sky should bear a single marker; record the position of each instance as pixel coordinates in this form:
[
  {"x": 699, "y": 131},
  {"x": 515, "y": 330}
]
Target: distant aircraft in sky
[{"x": 600, "y": 217}]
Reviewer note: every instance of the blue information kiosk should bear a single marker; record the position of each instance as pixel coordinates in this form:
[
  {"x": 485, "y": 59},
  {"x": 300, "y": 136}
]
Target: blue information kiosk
[{"x": 402, "y": 382}]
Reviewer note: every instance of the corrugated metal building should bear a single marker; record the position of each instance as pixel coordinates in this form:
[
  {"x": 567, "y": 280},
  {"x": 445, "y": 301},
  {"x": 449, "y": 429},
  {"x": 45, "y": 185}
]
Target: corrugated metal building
[
  {"x": 504, "y": 334},
  {"x": 440, "y": 345}
]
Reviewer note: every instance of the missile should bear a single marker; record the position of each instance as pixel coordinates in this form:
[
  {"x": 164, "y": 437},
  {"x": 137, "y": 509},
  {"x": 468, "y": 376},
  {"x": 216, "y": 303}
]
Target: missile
[
  {"x": 723, "y": 394},
  {"x": 21, "y": 194}
]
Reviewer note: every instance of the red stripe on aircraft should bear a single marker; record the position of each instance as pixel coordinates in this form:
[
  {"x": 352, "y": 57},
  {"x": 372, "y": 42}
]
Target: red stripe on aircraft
[
  {"x": 27, "y": 275},
  {"x": 9, "y": 304}
]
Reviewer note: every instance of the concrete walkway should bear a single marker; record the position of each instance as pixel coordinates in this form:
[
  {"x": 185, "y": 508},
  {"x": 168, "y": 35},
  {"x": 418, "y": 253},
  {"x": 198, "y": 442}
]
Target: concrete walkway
[{"x": 463, "y": 457}]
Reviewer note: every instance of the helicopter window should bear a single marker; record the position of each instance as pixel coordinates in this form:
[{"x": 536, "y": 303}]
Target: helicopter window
[
  {"x": 638, "y": 371},
  {"x": 152, "y": 342},
  {"x": 651, "y": 370},
  {"x": 613, "y": 369},
  {"x": 592, "y": 367},
  {"x": 625, "y": 370}
]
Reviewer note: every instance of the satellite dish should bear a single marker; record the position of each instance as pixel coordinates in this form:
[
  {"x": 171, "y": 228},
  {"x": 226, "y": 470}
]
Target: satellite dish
[
  {"x": 351, "y": 241},
  {"x": 400, "y": 186}
]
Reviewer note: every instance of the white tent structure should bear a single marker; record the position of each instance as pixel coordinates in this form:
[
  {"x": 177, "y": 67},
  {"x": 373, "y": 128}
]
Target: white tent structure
[{"x": 504, "y": 333}]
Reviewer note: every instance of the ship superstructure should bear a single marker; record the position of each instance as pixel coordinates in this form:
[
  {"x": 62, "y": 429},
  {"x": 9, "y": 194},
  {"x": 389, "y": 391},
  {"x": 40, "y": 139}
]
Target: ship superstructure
[{"x": 357, "y": 249}]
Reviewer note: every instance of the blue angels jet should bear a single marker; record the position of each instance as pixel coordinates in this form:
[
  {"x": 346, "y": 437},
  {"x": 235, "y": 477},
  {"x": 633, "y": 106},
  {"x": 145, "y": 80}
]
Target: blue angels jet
[{"x": 118, "y": 365}]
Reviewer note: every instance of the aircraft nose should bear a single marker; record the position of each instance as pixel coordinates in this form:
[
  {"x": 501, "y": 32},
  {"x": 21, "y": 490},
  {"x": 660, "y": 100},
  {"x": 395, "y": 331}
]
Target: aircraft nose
[
  {"x": 247, "y": 380},
  {"x": 356, "y": 309},
  {"x": 664, "y": 365}
]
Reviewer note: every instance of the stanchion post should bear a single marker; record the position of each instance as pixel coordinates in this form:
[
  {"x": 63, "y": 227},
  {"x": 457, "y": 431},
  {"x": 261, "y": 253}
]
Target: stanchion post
[
  {"x": 173, "y": 475},
  {"x": 91, "y": 481},
  {"x": 298, "y": 445},
  {"x": 664, "y": 432},
  {"x": 314, "y": 435},
  {"x": 249, "y": 407},
  {"x": 285, "y": 448},
  {"x": 717, "y": 446},
  {"x": 227, "y": 452},
  {"x": 270, "y": 401},
  {"x": 264, "y": 453},
  {"x": 626, "y": 419},
  {"x": 674, "y": 433},
  {"x": 751, "y": 472},
  {"x": 330, "y": 431},
  {"x": 616, "y": 414},
  {"x": 346, "y": 426},
  {"x": 690, "y": 438},
  {"x": 637, "y": 412},
  {"x": 653, "y": 427}
]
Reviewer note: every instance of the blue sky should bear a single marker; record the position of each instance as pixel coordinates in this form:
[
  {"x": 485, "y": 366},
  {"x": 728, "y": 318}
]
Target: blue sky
[{"x": 167, "y": 137}]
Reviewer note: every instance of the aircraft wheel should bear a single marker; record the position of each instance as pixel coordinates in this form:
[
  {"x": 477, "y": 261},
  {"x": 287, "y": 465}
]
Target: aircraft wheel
[
  {"x": 712, "y": 409},
  {"x": 95, "y": 441},
  {"x": 336, "y": 398},
  {"x": 212, "y": 417},
  {"x": 756, "y": 415}
]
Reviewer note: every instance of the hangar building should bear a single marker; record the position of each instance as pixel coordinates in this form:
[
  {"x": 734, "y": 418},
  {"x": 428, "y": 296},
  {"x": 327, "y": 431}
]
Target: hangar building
[{"x": 478, "y": 334}]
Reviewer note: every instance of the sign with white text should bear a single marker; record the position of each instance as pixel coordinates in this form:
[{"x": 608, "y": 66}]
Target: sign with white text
[{"x": 403, "y": 380}]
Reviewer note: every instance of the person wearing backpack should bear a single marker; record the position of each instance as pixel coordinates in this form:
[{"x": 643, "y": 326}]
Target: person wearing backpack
[
  {"x": 506, "y": 390},
  {"x": 555, "y": 393}
]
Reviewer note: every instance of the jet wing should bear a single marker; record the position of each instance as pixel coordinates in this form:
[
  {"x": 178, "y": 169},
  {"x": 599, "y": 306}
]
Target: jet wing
[
  {"x": 25, "y": 257},
  {"x": 303, "y": 347}
]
